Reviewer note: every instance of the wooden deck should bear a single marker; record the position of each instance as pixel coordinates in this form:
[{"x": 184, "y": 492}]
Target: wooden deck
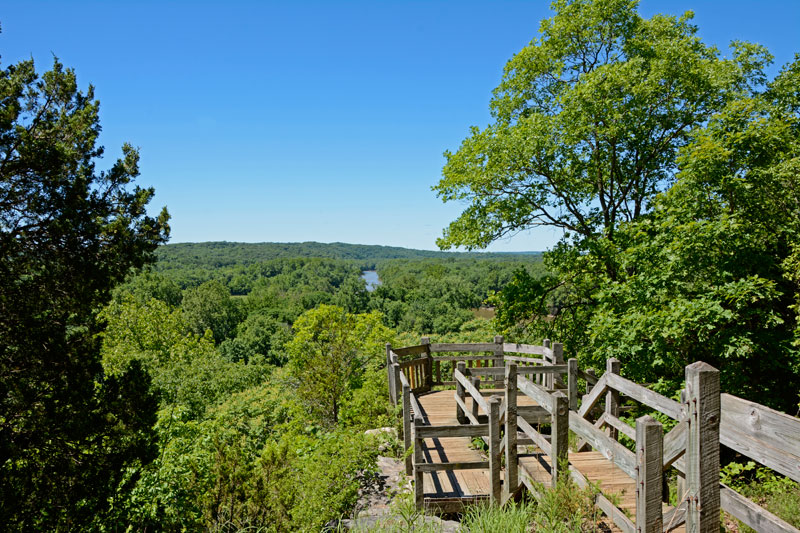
[
  {"x": 442, "y": 489},
  {"x": 439, "y": 409}
]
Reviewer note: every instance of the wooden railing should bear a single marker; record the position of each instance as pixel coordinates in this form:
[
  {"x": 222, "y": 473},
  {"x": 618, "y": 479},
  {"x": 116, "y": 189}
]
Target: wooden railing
[{"x": 704, "y": 420}]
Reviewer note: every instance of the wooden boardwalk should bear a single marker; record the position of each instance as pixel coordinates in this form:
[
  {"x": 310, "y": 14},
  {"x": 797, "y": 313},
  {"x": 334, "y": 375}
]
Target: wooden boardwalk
[
  {"x": 450, "y": 472},
  {"x": 439, "y": 409}
]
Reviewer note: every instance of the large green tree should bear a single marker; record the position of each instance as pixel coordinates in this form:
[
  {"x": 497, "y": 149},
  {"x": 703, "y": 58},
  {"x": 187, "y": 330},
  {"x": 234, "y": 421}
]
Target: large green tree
[
  {"x": 68, "y": 234},
  {"x": 712, "y": 273},
  {"x": 671, "y": 171},
  {"x": 587, "y": 122}
]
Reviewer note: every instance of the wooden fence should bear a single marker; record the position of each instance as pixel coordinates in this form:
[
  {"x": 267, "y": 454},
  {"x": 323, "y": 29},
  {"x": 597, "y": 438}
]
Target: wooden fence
[{"x": 704, "y": 419}]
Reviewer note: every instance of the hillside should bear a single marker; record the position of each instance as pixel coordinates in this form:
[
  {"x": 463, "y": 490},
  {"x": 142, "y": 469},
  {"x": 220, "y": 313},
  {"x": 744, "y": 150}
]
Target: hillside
[{"x": 220, "y": 254}]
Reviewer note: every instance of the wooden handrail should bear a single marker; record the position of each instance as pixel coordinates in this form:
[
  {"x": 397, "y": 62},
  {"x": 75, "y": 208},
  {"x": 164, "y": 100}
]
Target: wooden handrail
[{"x": 470, "y": 388}]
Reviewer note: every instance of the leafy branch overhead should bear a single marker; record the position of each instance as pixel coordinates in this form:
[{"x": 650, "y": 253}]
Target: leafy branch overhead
[{"x": 587, "y": 123}]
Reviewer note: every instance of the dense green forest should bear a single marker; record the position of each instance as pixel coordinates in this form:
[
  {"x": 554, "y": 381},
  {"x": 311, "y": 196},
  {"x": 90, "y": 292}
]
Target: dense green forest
[{"x": 147, "y": 386}]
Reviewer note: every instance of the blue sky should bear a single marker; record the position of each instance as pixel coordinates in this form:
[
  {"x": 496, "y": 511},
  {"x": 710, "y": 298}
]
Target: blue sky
[{"x": 323, "y": 121}]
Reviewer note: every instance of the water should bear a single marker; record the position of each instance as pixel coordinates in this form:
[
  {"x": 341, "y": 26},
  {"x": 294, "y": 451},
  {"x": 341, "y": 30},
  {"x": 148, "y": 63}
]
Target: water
[{"x": 371, "y": 277}]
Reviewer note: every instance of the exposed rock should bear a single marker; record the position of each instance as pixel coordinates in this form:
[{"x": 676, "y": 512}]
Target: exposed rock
[{"x": 374, "y": 507}]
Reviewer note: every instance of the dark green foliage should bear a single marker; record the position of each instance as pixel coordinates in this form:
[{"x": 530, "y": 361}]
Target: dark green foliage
[
  {"x": 68, "y": 234},
  {"x": 210, "y": 307},
  {"x": 438, "y": 296}
]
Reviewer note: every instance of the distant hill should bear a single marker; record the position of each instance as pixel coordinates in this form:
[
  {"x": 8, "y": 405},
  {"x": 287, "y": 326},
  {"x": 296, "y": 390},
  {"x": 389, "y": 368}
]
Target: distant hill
[{"x": 220, "y": 254}]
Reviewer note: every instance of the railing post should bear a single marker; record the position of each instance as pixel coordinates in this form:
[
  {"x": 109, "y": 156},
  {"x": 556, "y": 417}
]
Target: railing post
[
  {"x": 428, "y": 363},
  {"x": 612, "y": 397},
  {"x": 702, "y": 448},
  {"x": 494, "y": 448},
  {"x": 649, "y": 469},
  {"x": 572, "y": 383},
  {"x": 460, "y": 415},
  {"x": 559, "y": 434},
  {"x": 407, "y": 429},
  {"x": 476, "y": 382},
  {"x": 397, "y": 384},
  {"x": 544, "y": 379},
  {"x": 498, "y": 352},
  {"x": 592, "y": 373},
  {"x": 558, "y": 359},
  {"x": 419, "y": 494},
  {"x": 512, "y": 464},
  {"x": 389, "y": 369}
]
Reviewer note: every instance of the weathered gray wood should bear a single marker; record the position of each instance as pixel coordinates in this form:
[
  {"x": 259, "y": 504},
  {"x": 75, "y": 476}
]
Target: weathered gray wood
[
  {"x": 512, "y": 463},
  {"x": 390, "y": 375},
  {"x": 498, "y": 350},
  {"x": 453, "y": 505},
  {"x": 425, "y": 341},
  {"x": 471, "y": 419},
  {"x": 438, "y": 467},
  {"x": 476, "y": 382},
  {"x": 768, "y": 436},
  {"x": 487, "y": 371},
  {"x": 522, "y": 348},
  {"x": 398, "y": 376},
  {"x": 641, "y": 394},
  {"x": 410, "y": 350},
  {"x": 572, "y": 383},
  {"x": 558, "y": 359},
  {"x": 472, "y": 391},
  {"x": 619, "y": 425},
  {"x": 559, "y": 435},
  {"x": 537, "y": 438},
  {"x": 590, "y": 379},
  {"x": 702, "y": 448},
  {"x": 752, "y": 514},
  {"x": 649, "y": 449},
  {"x": 591, "y": 399},
  {"x": 525, "y": 360},
  {"x": 463, "y": 347},
  {"x": 456, "y": 358},
  {"x": 461, "y": 410},
  {"x": 494, "y": 449},
  {"x": 611, "y": 449},
  {"x": 600, "y": 423},
  {"x": 675, "y": 444},
  {"x": 438, "y": 370},
  {"x": 675, "y": 517},
  {"x": 604, "y": 504},
  {"x": 419, "y": 458},
  {"x": 547, "y": 353},
  {"x": 467, "y": 430},
  {"x": 403, "y": 380},
  {"x": 534, "y": 391},
  {"x": 416, "y": 409},
  {"x": 612, "y": 397},
  {"x": 407, "y": 428}
]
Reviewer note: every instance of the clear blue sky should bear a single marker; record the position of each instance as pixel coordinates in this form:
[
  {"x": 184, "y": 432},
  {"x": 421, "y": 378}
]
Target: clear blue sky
[{"x": 324, "y": 121}]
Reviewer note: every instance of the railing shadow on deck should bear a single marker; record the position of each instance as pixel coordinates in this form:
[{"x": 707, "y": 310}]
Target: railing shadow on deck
[{"x": 705, "y": 419}]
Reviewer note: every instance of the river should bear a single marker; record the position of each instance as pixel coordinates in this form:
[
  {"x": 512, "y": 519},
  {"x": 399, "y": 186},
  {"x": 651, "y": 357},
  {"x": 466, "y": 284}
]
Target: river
[{"x": 371, "y": 277}]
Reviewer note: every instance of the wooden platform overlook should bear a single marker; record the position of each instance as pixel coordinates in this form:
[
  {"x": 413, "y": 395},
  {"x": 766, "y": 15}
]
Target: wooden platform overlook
[{"x": 510, "y": 393}]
